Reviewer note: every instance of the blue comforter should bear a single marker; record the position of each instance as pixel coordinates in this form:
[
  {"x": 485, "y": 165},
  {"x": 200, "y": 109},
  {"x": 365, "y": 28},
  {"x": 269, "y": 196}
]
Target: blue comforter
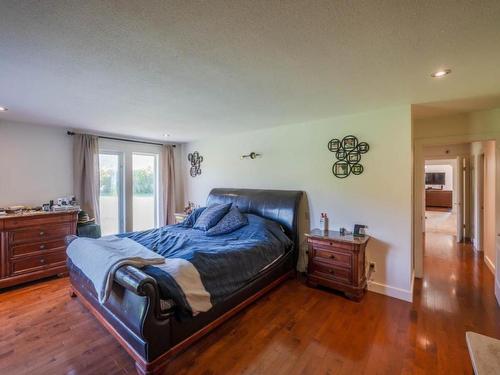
[{"x": 224, "y": 263}]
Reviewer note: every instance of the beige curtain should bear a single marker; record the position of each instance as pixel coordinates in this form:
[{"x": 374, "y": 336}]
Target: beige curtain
[
  {"x": 168, "y": 185},
  {"x": 86, "y": 173}
]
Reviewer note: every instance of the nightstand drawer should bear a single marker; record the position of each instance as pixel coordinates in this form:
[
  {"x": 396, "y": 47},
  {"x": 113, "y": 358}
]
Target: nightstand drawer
[
  {"x": 331, "y": 272},
  {"x": 325, "y": 244},
  {"x": 334, "y": 257}
]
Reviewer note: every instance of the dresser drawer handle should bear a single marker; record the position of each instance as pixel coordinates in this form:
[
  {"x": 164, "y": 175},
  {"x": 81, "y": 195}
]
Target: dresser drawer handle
[
  {"x": 42, "y": 261},
  {"x": 42, "y": 247},
  {"x": 331, "y": 243},
  {"x": 42, "y": 233},
  {"x": 332, "y": 256},
  {"x": 331, "y": 271}
]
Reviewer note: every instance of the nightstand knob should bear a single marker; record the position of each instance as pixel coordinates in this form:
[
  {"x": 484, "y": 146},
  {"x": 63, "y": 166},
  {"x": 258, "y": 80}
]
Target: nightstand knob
[
  {"x": 331, "y": 243},
  {"x": 42, "y": 247},
  {"x": 42, "y": 233},
  {"x": 331, "y": 271},
  {"x": 42, "y": 260},
  {"x": 332, "y": 256}
]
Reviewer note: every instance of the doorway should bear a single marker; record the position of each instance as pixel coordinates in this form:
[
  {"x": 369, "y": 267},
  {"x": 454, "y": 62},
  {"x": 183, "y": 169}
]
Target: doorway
[{"x": 440, "y": 196}]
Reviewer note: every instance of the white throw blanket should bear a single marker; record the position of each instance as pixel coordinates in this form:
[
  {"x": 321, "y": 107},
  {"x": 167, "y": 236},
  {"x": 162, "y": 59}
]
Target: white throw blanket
[{"x": 99, "y": 259}]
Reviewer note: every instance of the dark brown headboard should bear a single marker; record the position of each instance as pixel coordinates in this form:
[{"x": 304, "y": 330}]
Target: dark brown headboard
[{"x": 281, "y": 206}]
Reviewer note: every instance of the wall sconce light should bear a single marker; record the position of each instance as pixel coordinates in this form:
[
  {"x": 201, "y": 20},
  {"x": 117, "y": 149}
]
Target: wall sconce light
[{"x": 251, "y": 155}]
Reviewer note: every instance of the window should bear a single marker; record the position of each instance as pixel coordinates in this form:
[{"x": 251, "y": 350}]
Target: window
[
  {"x": 145, "y": 200},
  {"x": 111, "y": 193},
  {"x": 129, "y": 186}
]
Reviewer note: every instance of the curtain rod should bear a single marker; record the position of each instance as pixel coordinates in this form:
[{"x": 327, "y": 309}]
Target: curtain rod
[{"x": 124, "y": 140}]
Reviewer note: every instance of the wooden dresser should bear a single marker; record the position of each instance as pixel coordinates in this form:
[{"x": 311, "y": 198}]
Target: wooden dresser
[
  {"x": 438, "y": 198},
  {"x": 337, "y": 262},
  {"x": 32, "y": 245}
]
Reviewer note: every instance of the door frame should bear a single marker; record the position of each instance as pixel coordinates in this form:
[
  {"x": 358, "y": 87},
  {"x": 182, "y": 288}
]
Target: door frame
[{"x": 419, "y": 189}]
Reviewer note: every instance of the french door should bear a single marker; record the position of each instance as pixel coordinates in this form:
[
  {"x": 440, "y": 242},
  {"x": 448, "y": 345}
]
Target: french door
[
  {"x": 144, "y": 191},
  {"x": 111, "y": 197},
  {"x": 129, "y": 190}
]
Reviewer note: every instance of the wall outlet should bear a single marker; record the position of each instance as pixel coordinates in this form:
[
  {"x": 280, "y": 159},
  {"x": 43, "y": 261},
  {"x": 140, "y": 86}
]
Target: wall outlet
[{"x": 372, "y": 266}]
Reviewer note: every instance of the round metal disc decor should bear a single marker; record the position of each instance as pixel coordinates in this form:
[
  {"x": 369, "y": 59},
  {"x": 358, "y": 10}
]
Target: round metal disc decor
[
  {"x": 348, "y": 153},
  {"x": 341, "y": 169},
  {"x": 357, "y": 169},
  {"x": 353, "y": 157},
  {"x": 334, "y": 145},
  {"x": 349, "y": 142},
  {"x": 341, "y": 154},
  {"x": 195, "y": 159},
  {"x": 363, "y": 147}
]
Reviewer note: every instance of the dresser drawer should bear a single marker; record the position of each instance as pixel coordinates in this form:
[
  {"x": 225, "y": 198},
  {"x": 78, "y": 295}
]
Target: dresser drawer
[
  {"x": 331, "y": 272},
  {"x": 39, "y": 262},
  {"x": 40, "y": 233},
  {"x": 331, "y": 256},
  {"x": 38, "y": 220},
  {"x": 38, "y": 248}
]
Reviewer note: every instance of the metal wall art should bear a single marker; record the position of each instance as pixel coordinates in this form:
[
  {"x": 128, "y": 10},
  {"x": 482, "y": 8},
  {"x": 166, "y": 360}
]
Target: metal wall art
[
  {"x": 348, "y": 152},
  {"x": 195, "y": 158}
]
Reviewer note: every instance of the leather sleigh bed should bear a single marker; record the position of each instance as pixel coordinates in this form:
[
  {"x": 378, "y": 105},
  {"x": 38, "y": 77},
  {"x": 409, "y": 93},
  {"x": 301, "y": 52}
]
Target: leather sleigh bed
[{"x": 152, "y": 334}]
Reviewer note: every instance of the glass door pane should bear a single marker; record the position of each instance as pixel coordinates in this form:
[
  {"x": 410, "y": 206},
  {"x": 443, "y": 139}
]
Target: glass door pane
[
  {"x": 145, "y": 179},
  {"x": 110, "y": 193}
]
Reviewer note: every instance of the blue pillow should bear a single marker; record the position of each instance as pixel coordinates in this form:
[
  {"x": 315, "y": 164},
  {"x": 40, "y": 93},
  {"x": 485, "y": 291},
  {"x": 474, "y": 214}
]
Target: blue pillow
[
  {"x": 211, "y": 216},
  {"x": 233, "y": 220},
  {"x": 192, "y": 217}
]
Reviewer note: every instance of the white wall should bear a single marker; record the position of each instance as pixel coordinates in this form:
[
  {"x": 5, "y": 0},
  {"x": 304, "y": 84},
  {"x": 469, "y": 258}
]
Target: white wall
[
  {"x": 296, "y": 157},
  {"x": 447, "y": 169},
  {"x": 35, "y": 164}
]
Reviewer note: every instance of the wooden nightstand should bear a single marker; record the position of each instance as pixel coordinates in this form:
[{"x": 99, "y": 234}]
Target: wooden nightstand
[
  {"x": 179, "y": 217},
  {"x": 337, "y": 262}
]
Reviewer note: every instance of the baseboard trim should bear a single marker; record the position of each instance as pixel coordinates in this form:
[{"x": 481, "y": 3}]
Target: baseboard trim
[
  {"x": 489, "y": 264},
  {"x": 405, "y": 295}
]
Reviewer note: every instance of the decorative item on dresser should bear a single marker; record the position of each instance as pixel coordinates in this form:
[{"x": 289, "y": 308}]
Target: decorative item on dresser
[
  {"x": 180, "y": 217},
  {"x": 32, "y": 245},
  {"x": 337, "y": 261}
]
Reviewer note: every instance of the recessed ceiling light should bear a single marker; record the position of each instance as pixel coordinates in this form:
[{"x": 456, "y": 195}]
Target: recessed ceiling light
[
  {"x": 441, "y": 73},
  {"x": 3, "y": 109},
  {"x": 166, "y": 135}
]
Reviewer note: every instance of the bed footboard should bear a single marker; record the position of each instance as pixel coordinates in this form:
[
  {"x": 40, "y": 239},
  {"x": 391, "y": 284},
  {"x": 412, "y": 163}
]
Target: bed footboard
[{"x": 132, "y": 313}]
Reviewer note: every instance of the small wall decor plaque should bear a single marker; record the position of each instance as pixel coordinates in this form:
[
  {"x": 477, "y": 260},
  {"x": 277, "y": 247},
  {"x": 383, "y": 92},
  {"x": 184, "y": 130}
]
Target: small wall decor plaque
[
  {"x": 196, "y": 159},
  {"x": 348, "y": 152}
]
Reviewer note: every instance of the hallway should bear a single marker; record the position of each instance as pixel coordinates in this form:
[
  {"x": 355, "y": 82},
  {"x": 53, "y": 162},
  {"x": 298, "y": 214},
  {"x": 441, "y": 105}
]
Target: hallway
[{"x": 456, "y": 295}]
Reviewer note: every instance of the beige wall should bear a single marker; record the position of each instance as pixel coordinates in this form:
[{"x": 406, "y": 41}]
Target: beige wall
[
  {"x": 296, "y": 157},
  {"x": 35, "y": 164}
]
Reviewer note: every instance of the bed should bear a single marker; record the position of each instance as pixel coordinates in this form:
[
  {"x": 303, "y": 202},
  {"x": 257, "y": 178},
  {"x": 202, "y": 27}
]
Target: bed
[{"x": 152, "y": 327}]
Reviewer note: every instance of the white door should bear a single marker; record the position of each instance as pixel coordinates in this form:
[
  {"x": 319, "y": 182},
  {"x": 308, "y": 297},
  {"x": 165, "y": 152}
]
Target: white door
[{"x": 460, "y": 199}]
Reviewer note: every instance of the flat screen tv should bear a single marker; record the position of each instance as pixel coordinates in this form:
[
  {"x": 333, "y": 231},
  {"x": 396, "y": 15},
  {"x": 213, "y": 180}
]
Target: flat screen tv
[{"x": 435, "y": 178}]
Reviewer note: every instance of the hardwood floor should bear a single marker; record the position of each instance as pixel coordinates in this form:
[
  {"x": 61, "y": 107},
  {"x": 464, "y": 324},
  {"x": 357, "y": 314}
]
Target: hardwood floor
[{"x": 293, "y": 330}]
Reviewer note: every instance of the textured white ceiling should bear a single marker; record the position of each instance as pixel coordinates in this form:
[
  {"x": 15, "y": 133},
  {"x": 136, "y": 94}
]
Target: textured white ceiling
[{"x": 194, "y": 69}]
